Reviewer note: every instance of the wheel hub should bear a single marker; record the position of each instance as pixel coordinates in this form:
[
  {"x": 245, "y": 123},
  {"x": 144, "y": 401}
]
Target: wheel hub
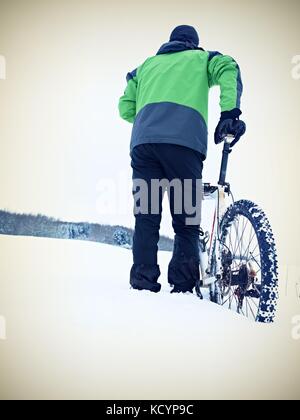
[{"x": 243, "y": 278}]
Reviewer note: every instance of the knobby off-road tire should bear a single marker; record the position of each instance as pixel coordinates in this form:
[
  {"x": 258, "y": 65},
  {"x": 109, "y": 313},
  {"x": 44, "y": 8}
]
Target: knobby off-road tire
[{"x": 246, "y": 224}]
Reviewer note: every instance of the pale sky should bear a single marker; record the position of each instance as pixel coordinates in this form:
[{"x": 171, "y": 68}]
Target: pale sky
[{"x": 66, "y": 64}]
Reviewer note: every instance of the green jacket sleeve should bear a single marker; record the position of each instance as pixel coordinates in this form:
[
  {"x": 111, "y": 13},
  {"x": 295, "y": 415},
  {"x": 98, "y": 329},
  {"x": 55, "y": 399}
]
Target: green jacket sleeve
[
  {"x": 223, "y": 71},
  {"x": 127, "y": 102}
]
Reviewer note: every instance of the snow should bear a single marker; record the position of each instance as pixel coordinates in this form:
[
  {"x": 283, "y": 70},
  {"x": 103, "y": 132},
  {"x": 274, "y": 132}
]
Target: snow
[{"x": 76, "y": 330}]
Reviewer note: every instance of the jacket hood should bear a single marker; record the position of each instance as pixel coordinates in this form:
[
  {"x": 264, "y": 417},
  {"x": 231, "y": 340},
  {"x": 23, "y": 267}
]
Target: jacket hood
[
  {"x": 176, "y": 46},
  {"x": 185, "y": 33}
]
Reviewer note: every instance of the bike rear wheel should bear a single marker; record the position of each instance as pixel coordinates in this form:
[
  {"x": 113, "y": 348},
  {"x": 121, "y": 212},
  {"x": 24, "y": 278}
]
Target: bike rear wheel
[{"x": 249, "y": 277}]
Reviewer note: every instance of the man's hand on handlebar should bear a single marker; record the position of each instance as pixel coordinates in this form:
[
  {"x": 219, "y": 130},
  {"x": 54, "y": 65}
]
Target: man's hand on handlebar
[{"x": 230, "y": 124}]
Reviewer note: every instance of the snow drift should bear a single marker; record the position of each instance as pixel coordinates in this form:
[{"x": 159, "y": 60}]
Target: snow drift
[{"x": 76, "y": 330}]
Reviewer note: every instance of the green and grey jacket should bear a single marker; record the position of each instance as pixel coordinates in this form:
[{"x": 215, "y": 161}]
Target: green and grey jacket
[{"x": 166, "y": 98}]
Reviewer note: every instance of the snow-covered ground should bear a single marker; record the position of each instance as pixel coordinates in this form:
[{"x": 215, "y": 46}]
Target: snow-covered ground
[{"x": 75, "y": 330}]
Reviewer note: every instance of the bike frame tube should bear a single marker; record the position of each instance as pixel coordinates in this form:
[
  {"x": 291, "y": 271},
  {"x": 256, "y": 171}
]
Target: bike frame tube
[
  {"x": 220, "y": 207},
  {"x": 219, "y": 196},
  {"x": 225, "y": 154}
]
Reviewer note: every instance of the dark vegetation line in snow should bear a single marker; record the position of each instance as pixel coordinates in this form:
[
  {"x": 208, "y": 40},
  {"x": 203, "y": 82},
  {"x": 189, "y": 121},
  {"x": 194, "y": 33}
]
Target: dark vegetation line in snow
[{"x": 48, "y": 227}]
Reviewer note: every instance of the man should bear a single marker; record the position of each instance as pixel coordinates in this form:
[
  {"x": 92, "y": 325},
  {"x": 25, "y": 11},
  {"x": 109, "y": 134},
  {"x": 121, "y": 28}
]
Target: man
[{"x": 167, "y": 100}]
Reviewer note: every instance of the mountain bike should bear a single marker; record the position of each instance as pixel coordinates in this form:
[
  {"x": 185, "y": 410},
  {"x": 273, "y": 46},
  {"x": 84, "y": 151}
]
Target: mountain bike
[{"x": 238, "y": 259}]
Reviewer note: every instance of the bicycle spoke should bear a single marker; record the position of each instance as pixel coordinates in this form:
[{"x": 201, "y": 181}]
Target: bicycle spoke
[
  {"x": 242, "y": 235},
  {"x": 252, "y": 300},
  {"x": 254, "y": 316},
  {"x": 250, "y": 242},
  {"x": 254, "y": 285},
  {"x": 257, "y": 263},
  {"x": 228, "y": 299},
  {"x": 252, "y": 252},
  {"x": 254, "y": 248},
  {"x": 254, "y": 257},
  {"x": 237, "y": 236},
  {"x": 231, "y": 246},
  {"x": 251, "y": 237}
]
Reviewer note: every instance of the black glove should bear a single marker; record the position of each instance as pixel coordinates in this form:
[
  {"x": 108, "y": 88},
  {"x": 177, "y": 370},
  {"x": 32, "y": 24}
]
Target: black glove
[{"x": 230, "y": 124}]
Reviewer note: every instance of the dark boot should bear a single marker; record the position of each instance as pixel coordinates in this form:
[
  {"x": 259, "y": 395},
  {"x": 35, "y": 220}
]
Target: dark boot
[
  {"x": 144, "y": 277},
  {"x": 183, "y": 273},
  {"x": 177, "y": 289}
]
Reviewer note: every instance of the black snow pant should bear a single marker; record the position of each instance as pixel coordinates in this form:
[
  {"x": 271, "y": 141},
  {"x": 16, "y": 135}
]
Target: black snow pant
[{"x": 166, "y": 162}]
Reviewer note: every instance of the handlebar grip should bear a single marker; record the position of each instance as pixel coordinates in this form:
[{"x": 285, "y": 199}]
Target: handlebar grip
[{"x": 229, "y": 138}]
